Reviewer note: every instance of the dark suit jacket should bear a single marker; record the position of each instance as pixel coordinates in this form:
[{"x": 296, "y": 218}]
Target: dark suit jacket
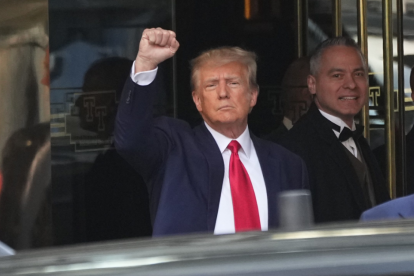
[
  {"x": 116, "y": 200},
  {"x": 277, "y": 134},
  {"x": 380, "y": 154},
  {"x": 184, "y": 168},
  {"x": 409, "y": 140},
  {"x": 400, "y": 208},
  {"x": 336, "y": 192}
]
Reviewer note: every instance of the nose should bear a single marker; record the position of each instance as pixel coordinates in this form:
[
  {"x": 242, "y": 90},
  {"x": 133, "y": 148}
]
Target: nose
[
  {"x": 349, "y": 82},
  {"x": 223, "y": 92}
]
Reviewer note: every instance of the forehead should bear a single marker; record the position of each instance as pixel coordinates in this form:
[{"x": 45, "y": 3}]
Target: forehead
[
  {"x": 216, "y": 69},
  {"x": 341, "y": 57}
]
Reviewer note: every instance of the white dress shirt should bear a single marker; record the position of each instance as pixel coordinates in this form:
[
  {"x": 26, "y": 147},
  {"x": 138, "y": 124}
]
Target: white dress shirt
[
  {"x": 248, "y": 156},
  {"x": 143, "y": 78},
  {"x": 287, "y": 122},
  {"x": 350, "y": 143}
]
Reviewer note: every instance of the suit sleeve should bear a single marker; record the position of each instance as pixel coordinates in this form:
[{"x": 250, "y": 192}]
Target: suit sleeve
[
  {"x": 364, "y": 217},
  {"x": 138, "y": 139}
]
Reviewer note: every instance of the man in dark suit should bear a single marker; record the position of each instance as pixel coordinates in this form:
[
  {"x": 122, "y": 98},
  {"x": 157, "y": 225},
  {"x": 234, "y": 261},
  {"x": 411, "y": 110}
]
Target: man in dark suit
[
  {"x": 400, "y": 208},
  {"x": 217, "y": 177},
  {"x": 409, "y": 139},
  {"x": 344, "y": 177},
  {"x": 295, "y": 97},
  {"x": 380, "y": 152}
]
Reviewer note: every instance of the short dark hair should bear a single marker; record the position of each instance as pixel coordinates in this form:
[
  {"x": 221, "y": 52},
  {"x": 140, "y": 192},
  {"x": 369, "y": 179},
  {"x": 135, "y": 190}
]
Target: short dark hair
[{"x": 295, "y": 77}]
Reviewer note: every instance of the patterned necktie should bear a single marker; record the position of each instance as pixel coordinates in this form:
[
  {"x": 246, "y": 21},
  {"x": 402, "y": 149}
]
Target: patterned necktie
[{"x": 246, "y": 213}]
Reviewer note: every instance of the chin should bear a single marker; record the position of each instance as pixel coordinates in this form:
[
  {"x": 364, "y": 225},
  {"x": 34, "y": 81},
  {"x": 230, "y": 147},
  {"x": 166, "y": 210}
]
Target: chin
[{"x": 226, "y": 122}]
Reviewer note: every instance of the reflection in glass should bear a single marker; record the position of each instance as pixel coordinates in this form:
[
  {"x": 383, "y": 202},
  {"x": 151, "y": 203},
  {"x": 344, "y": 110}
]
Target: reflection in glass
[{"x": 96, "y": 195}]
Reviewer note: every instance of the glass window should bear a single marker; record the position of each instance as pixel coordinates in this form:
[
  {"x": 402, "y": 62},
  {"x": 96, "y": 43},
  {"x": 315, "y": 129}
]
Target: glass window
[{"x": 96, "y": 195}]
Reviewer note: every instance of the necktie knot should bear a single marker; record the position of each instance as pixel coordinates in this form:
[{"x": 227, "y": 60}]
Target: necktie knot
[
  {"x": 346, "y": 133},
  {"x": 234, "y": 146}
]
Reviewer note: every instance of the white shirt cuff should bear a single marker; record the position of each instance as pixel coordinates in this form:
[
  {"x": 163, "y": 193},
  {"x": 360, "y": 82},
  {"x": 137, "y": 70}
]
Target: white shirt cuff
[{"x": 143, "y": 78}]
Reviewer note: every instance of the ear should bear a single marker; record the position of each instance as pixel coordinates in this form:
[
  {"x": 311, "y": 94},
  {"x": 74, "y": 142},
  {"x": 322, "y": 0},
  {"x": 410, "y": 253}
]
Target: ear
[
  {"x": 312, "y": 84},
  {"x": 253, "y": 98},
  {"x": 197, "y": 101}
]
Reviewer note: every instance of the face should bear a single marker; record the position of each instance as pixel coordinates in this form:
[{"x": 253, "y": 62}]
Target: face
[
  {"x": 341, "y": 85},
  {"x": 223, "y": 95},
  {"x": 299, "y": 102}
]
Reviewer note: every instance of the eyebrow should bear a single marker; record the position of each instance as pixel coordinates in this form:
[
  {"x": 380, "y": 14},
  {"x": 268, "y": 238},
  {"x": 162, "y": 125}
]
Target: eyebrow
[
  {"x": 211, "y": 79},
  {"x": 335, "y": 70},
  {"x": 229, "y": 77},
  {"x": 343, "y": 70}
]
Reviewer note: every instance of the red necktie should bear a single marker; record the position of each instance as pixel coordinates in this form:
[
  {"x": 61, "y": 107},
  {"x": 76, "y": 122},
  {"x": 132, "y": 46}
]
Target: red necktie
[{"x": 246, "y": 213}]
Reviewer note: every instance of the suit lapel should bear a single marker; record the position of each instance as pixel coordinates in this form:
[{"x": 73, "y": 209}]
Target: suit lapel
[
  {"x": 209, "y": 148},
  {"x": 378, "y": 184},
  {"x": 336, "y": 151},
  {"x": 268, "y": 170}
]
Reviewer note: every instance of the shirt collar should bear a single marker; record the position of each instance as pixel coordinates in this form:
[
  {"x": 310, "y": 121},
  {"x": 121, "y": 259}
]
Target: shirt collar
[
  {"x": 223, "y": 141},
  {"x": 287, "y": 122},
  {"x": 337, "y": 121}
]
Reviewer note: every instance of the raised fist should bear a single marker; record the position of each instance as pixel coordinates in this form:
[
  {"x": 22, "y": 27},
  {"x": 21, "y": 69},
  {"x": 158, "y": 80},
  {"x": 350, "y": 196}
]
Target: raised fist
[{"x": 156, "y": 45}]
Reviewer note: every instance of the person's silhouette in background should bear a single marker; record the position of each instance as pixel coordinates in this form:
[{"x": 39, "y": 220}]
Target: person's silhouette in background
[
  {"x": 295, "y": 97},
  {"x": 116, "y": 198},
  {"x": 380, "y": 152}
]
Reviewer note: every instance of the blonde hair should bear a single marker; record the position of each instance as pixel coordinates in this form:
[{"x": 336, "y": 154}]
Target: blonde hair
[{"x": 224, "y": 55}]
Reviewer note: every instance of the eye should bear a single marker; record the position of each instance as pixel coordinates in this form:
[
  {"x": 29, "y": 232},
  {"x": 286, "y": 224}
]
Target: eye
[
  {"x": 336, "y": 76},
  {"x": 360, "y": 74},
  {"x": 233, "y": 83}
]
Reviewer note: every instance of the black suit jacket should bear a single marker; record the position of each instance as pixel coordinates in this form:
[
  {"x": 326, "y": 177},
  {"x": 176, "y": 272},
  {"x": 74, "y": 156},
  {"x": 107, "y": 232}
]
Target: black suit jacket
[
  {"x": 380, "y": 154},
  {"x": 409, "y": 140},
  {"x": 184, "y": 168},
  {"x": 336, "y": 192},
  {"x": 277, "y": 134}
]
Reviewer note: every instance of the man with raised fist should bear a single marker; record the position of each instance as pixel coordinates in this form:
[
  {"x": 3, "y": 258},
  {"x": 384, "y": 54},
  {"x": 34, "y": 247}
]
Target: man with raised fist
[{"x": 217, "y": 177}]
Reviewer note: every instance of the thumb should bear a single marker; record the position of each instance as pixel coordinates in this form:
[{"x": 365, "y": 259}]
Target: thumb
[{"x": 174, "y": 45}]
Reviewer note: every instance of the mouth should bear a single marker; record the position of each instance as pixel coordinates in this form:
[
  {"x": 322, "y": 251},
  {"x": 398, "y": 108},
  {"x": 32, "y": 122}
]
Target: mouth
[
  {"x": 226, "y": 107},
  {"x": 348, "y": 98}
]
